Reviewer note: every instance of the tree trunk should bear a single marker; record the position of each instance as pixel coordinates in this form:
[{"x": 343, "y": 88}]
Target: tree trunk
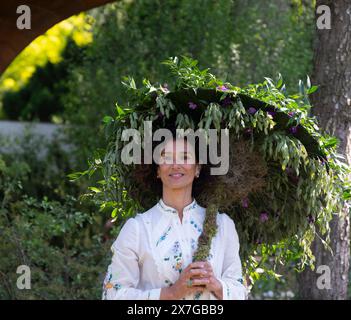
[{"x": 332, "y": 107}]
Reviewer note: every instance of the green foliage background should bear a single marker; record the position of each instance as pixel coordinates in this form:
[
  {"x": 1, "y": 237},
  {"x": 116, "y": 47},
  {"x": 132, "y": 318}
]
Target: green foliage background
[{"x": 44, "y": 226}]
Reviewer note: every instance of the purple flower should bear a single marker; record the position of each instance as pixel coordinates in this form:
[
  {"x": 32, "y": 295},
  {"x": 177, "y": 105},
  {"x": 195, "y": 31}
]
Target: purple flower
[
  {"x": 263, "y": 216},
  {"x": 272, "y": 113},
  {"x": 291, "y": 114},
  {"x": 245, "y": 203},
  {"x": 223, "y": 88},
  {"x": 226, "y": 101},
  {"x": 293, "y": 129},
  {"x": 192, "y": 105},
  {"x": 252, "y": 110}
]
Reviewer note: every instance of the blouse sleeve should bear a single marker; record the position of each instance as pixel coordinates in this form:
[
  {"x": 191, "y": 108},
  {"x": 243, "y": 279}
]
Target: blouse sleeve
[
  {"x": 123, "y": 273},
  {"x": 231, "y": 279}
]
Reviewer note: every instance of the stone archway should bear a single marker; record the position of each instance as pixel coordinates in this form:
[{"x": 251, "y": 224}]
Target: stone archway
[{"x": 44, "y": 14}]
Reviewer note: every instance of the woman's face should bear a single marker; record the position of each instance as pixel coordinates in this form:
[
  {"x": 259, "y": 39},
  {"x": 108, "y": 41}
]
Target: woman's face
[{"x": 177, "y": 168}]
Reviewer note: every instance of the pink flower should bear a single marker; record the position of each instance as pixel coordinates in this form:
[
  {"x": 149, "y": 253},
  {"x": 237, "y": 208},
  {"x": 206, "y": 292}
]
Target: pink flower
[
  {"x": 293, "y": 130},
  {"x": 223, "y": 88},
  {"x": 245, "y": 203},
  {"x": 263, "y": 216},
  {"x": 252, "y": 110},
  {"x": 192, "y": 105}
]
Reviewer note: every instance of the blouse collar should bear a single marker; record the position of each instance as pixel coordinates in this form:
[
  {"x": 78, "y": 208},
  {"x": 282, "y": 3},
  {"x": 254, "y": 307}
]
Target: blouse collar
[{"x": 167, "y": 209}]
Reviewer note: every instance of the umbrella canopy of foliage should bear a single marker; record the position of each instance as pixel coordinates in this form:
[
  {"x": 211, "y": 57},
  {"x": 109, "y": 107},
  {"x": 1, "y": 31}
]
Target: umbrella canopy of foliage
[{"x": 305, "y": 181}]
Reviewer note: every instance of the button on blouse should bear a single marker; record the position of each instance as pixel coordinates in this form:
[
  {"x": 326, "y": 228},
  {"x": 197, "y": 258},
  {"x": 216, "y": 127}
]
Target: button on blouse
[{"x": 153, "y": 248}]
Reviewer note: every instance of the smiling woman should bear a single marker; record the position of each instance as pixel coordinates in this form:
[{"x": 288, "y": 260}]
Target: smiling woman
[
  {"x": 154, "y": 251},
  {"x": 177, "y": 171},
  {"x": 184, "y": 151}
]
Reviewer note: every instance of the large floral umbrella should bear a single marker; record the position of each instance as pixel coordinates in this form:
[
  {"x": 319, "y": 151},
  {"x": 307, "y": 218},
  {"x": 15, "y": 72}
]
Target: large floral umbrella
[{"x": 284, "y": 176}]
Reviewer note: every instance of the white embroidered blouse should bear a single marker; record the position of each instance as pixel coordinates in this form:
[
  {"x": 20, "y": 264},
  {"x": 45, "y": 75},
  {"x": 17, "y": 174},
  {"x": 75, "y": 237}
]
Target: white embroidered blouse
[{"x": 154, "y": 247}]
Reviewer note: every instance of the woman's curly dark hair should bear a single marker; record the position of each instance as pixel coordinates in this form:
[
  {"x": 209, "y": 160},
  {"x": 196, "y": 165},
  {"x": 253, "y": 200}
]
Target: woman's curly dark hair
[{"x": 247, "y": 174}]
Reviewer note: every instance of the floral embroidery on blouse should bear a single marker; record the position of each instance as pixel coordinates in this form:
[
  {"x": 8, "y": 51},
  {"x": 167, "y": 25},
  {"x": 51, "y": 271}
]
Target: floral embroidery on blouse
[
  {"x": 227, "y": 290},
  {"x": 163, "y": 237},
  {"x": 198, "y": 228},
  {"x": 193, "y": 243},
  {"x": 179, "y": 264},
  {"x": 176, "y": 247},
  {"x": 109, "y": 285},
  {"x": 160, "y": 203},
  {"x": 192, "y": 206},
  {"x": 166, "y": 208},
  {"x": 197, "y": 295},
  {"x": 176, "y": 258}
]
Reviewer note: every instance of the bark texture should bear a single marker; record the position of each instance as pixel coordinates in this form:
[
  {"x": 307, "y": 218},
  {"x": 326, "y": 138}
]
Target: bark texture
[{"x": 332, "y": 107}]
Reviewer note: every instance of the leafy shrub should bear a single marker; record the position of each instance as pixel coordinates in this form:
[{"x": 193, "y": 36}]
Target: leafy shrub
[{"x": 44, "y": 226}]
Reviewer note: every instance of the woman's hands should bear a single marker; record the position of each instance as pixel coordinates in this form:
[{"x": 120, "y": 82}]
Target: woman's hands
[
  {"x": 202, "y": 276},
  {"x": 213, "y": 285},
  {"x": 195, "y": 271}
]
